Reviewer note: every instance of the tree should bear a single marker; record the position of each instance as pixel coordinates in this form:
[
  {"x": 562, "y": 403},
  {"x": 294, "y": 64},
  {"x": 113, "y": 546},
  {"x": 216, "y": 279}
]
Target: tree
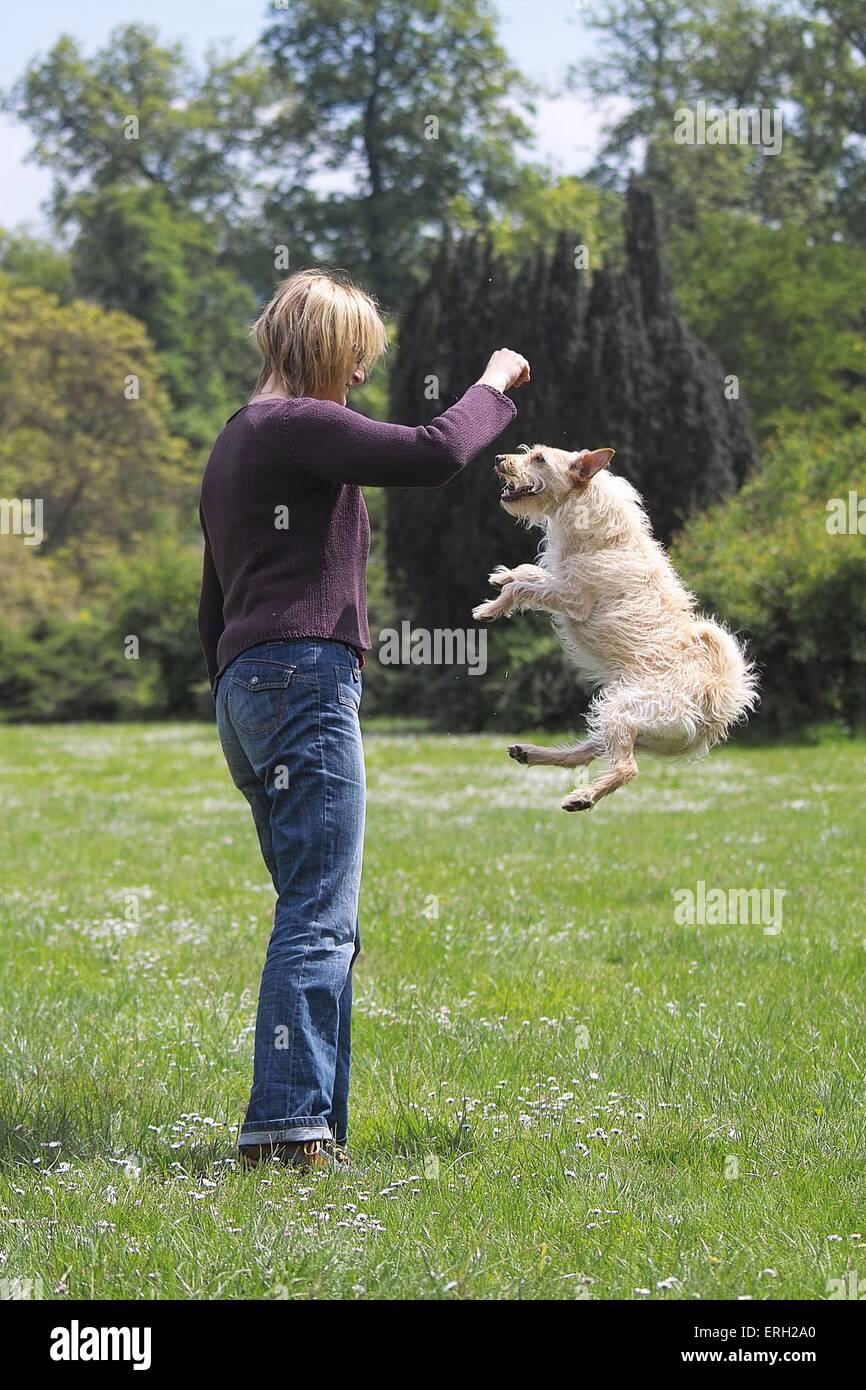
[
  {"x": 136, "y": 253},
  {"x": 152, "y": 161},
  {"x": 26, "y": 260},
  {"x": 802, "y": 58},
  {"x": 412, "y": 103},
  {"x": 828, "y": 76},
  {"x": 189, "y": 192},
  {"x": 83, "y": 425},
  {"x": 538, "y": 207},
  {"x": 139, "y": 115},
  {"x": 783, "y": 311},
  {"x": 681, "y": 437},
  {"x": 764, "y": 248}
]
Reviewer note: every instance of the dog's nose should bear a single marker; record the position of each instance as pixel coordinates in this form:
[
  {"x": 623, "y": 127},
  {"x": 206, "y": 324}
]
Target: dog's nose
[{"x": 500, "y": 458}]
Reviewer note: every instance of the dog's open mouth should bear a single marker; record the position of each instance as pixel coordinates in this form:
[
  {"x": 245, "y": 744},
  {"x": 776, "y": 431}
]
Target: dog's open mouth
[{"x": 512, "y": 493}]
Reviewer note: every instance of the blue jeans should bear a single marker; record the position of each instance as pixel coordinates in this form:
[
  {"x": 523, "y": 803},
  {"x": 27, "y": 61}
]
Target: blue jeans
[{"x": 287, "y": 714}]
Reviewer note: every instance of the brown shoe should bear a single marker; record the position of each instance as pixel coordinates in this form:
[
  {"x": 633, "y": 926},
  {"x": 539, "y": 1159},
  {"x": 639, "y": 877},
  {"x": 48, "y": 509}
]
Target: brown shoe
[
  {"x": 338, "y": 1153},
  {"x": 308, "y": 1154}
]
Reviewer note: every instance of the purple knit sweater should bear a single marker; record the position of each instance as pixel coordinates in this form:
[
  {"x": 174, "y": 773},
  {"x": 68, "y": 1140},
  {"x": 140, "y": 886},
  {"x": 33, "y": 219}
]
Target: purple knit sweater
[{"x": 285, "y": 526}]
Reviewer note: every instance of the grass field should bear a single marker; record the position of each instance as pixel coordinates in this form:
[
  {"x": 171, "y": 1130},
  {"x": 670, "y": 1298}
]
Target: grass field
[{"x": 560, "y": 1090}]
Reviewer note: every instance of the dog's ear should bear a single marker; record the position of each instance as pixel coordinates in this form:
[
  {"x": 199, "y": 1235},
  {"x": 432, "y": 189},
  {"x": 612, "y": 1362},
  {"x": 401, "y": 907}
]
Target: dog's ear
[{"x": 588, "y": 462}]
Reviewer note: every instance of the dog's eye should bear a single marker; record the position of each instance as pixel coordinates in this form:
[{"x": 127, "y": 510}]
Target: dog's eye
[{"x": 539, "y": 458}]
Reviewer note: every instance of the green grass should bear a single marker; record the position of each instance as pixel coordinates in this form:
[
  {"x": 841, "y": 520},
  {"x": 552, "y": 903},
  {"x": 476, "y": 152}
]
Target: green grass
[{"x": 559, "y": 1091}]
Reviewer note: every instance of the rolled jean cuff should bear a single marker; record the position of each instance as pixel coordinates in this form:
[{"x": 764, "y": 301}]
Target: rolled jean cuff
[{"x": 283, "y": 1132}]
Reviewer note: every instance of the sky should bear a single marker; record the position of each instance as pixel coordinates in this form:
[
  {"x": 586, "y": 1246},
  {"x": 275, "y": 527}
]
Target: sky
[{"x": 542, "y": 37}]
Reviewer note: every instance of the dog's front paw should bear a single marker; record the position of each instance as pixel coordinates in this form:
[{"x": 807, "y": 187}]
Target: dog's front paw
[
  {"x": 518, "y": 752},
  {"x": 578, "y": 801},
  {"x": 501, "y": 575},
  {"x": 493, "y": 608}
]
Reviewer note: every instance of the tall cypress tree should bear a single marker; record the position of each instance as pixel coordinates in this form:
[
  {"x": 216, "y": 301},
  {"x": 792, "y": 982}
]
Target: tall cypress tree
[{"x": 657, "y": 393}]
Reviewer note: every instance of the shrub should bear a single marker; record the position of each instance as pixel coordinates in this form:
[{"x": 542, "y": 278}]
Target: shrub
[
  {"x": 766, "y": 562},
  {"x": 63, "y": 648},
  {"x": 155, "y": 599},
  {"x": 60, "y": 669}
]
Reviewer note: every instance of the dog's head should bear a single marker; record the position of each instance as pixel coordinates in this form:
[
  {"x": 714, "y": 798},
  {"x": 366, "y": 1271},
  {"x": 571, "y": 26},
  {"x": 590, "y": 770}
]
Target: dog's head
[{"x": 539, "y": 480}]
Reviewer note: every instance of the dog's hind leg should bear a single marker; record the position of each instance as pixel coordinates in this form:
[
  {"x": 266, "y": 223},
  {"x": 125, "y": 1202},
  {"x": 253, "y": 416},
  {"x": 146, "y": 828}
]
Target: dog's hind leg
[
  {"x": 623, "y": 769},
  {"x": 581, "y": 755},
  {"x": 619, "y": 716}
]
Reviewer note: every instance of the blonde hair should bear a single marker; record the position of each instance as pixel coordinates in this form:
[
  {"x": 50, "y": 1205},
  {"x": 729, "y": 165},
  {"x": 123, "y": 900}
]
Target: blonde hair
[{"x": 316, "y": 329}]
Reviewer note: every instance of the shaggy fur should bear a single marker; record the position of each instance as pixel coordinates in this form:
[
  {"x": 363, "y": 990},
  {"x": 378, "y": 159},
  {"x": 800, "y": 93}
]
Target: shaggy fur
[{"x": 667, "y": 680}]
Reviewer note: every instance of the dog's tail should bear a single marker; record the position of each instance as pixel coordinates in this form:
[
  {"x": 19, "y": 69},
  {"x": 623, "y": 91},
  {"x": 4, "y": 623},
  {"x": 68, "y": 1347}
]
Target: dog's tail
[{"x": 731, "y": 689}]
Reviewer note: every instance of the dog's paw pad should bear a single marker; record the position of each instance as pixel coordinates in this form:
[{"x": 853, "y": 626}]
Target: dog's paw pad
[
  {"x": 577, "y": 803},
  {"x": 517, "y": 752}
]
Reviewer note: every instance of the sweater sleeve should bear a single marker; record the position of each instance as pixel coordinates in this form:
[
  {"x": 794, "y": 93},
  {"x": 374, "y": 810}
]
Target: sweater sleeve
[
  {"x": 338, "y": 445},
  {"x": 210, "y": 608}
]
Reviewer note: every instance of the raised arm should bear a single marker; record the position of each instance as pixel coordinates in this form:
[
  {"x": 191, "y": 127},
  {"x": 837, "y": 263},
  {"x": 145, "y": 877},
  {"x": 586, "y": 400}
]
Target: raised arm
[{"x": 338, "y": 445}]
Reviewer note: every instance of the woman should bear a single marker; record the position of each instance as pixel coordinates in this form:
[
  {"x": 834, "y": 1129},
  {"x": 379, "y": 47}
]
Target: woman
[{"x": 283, "y": 625}]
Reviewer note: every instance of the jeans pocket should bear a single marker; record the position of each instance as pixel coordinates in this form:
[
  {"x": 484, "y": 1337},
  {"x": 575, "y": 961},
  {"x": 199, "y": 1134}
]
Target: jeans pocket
[
  {"x": 349, "y": 686},
  {"x": 256, "y": 695}
]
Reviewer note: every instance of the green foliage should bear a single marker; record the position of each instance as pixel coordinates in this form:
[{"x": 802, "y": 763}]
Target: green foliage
[
  {"x": 767, "y": 563},
  {"x": 766, "y": 249},
  {"x": 27, "y": 262},
  {"x": 154, "y": 599},
  {"x": 527, "y": 683},
  {"x": 653, "y": 391},
  {"x": 58, "y": 670},
  {"x": 136, "y": 253},
  {"x": 193, "y": 130},
  {"x": 33, "y": 585},
  {"x": 172, "y": 230},
  {"x": 539, "y": 207},
  {"x": 154, "y": 207},
  {"x": 782, "y": 312},
  {"x": 361, "y": 83},
  {"x": 803, "y": 57},
  {"x": 65, "y": 650},
  {"x": 109, "y": 476},
  {"x": 57, "y": 661},
  {"x": 103, "y": 464}
]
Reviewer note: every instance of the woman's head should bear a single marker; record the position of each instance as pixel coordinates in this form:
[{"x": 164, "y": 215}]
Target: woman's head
[{"x": 318, "y": 335}]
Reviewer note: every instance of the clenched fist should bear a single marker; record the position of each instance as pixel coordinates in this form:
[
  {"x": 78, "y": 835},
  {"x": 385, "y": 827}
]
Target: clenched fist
[{"x": 505, "y": 371}]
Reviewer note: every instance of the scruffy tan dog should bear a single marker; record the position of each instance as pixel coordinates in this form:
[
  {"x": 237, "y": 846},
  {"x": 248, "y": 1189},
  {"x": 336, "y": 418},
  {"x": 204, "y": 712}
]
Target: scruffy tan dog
[{"x": 667, "y": 680}]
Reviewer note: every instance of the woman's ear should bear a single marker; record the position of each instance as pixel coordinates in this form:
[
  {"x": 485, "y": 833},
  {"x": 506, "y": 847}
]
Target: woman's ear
[{"x": 588, "y": 462}]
